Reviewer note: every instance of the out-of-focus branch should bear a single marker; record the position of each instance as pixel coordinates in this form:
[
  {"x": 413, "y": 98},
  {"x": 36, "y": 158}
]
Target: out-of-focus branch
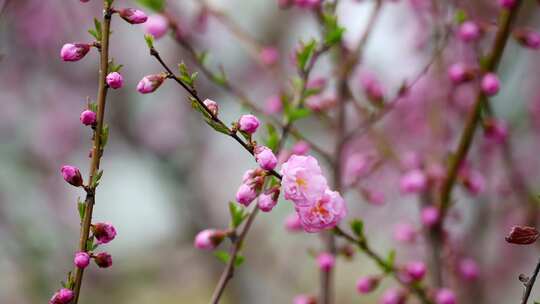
[{"x": 530, "y": 283}]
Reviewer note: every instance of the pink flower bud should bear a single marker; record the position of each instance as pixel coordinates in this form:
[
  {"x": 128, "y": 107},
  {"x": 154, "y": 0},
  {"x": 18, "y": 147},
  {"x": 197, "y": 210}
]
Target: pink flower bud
[
  {"x": 468, "y": 269},
  {"x": 88, "y": 118},
  {"x": 459, "y": 73},
  {"x": 430, "y": 216},
  {"x": 326, "y": 261},
  {"x": 84, "y": 1},
  {"x": 133, "y": 16},
  {"x": 393, "y": 296},
  {"x": 74, "y": 51},
  {"x": 150, "y": 83},
  {"x": 469, "y": 31},
  {"x": 103, "y": 260},
  {"x": 208, "y": 239},
  {"x": 81, "y": 259},
  {"x": 293, "y": 223},
  {"x": 265, "y": 158},
  {"x": 414, "y": 181},
  {"x": 405, "y": 233},
  {"x": 522, "y": 235},
  {"x": 445, "y": 296},
  {"x": 72, "y": 175},
  {"x": 527, "y": 38},
  {"x": 104, "y": 232},
  {"x": 507, "y": 4},
  {"x": 366, "y": 284},
  {"x": 304, "y": 299},
  {"x": 268, "y": 200},
  {"x": 212, "y": 106},
  {"x": 115, "y": 80},
  {"x": 245, "y": 194},
  {"x": 273, "y": 105},
  {"x": 156, "y": 25},
  {"x": 269, "y": 56},
  {"x": 318, "y": 83},
  {"x": 415, "y": 270},
  {"x": 372, "y": 88},
  {"x": 307, "y": 3},
  {"x": 62, "y": 296},
  {"x": 474, "y": 182},
  {"x": 300, "y": 148},
  {"x": 490, "y": 84},
  {"x": 248, "y": 123}
]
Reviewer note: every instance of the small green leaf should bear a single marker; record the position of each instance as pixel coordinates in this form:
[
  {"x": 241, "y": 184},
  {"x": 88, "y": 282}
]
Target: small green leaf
[
  {"x": 93, "y": 33},
  {"x": 81, "y": 207},
  {"x": 272, "y": 140},
  {"x": 357, "y": 227},
  {"x": 333, "y": 32},
  {"x": 217, "y": 126},
  {"x": 460, "y": 16},
  {"x": 155, "y": 5},
  {"x": 90, "y": 243},
  {"x": 224, "y": 257},
  {"x": 93, "y": 107},
  {"x": 390, "y": 261},
  {"x": 185, "y": 76},
  {"x": 97, "y": 26},
  {"x": 202, "y": 57},
  {"x": 305, "y": 53},
  {"x": 238, "y": 214},
  {"x": 299, "y": 113},
  {"x": 104, "y": 136},
  {"x": 149, "y": 40},
  {"x": 97, "y": 178}
]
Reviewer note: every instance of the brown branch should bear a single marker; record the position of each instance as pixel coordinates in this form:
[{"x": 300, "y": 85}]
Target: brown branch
[
  {"x": 230, "y": 132},
  {"x": 363, "y": 245},
  {"x": 529, "y": 284},
  {"x": 97, "y": 150}
]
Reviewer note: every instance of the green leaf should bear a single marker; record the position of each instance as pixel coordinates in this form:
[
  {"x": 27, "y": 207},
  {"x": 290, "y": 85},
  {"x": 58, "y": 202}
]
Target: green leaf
[
  {"x": 305, "y": 53},
  {"x": 224, "y": 257},
  {"x": 272, "y": 140},
  {"x": 149, "y": 40},
  {"x": 202, "y": 57},
  {"x": 185, "y": 76},
  {"x": 97, "y": 178},
  {"x": 298, "y": 113},
  {"x": 93, "y": 107},
  {"x": 90, "y": 243},
  {"x": 97, "y": 26},
  {"x": 81, "y": 207},
  {"x": 238, "y": 214},
  {"x": 390, "y": 261},
  {"x": 155, "y": 5},
  {"x": 217, "y": 126},
  {"x": 460, "y": 16},
  {"x": 333, "y": 32},
  {"x": 357, "y": 227},
  {"x": 104, "y": 136},
  {"x": 93, "y": 33}
]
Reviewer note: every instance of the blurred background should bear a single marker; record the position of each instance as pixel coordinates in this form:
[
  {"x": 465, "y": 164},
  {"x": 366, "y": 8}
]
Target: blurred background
[{"x": 168, "y": 176}]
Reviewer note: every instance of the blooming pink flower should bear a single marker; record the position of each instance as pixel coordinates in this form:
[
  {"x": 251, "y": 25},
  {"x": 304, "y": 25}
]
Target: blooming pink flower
[
  {"x": 248, "y": 123},
  {"x": 445, "y": 296},
  {"x": 133, "y": 16},
  {"x": 490, "y": 84},
  {"x": 326, "y": 261},
  {"x": 325, "y": 213},
  {"x": 303, "y": 182},
  {"x": 366, "y": 284},
  {"x": 393, "y": 296},
  {"x": 415, "y": 270},
  {"x": 103, "y": 260},
  {"x": 414, "y": 181},
  {"x": 268, "y": 200},
  {"x": 81, "y": 259},
  {"x": 265, "y": 158},
  {"x": 405, "y": 233},
  {"x": 469, "y": 31},
  {"x": 72, "y": 175},
  {"x": 208, "y": 239},
  {"x": 150, "y": 83},
  {"x": 88, "y": 117},
  {"x": 212, "y": 106},
  {"x": 507, "y": 4},
  {"x": 156, "y": 25},
  {"x": 245, "y": 194},
  {"x": 269, "y": 55},
  {"x": 62, "y": 296},
  {"x": 74, "y": 51},
  {"x": 430, "y": 216},
  {"x": 468, "y": 269},
  {"x": 293, "y": 223},
  {"x": 104, "y": 232},
  {"x": 115, "y": 80}
]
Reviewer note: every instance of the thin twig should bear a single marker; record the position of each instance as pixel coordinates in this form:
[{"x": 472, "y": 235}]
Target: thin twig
[
  {"x": 97, "y": 151},
  {"x": 530, "y": 283}
]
